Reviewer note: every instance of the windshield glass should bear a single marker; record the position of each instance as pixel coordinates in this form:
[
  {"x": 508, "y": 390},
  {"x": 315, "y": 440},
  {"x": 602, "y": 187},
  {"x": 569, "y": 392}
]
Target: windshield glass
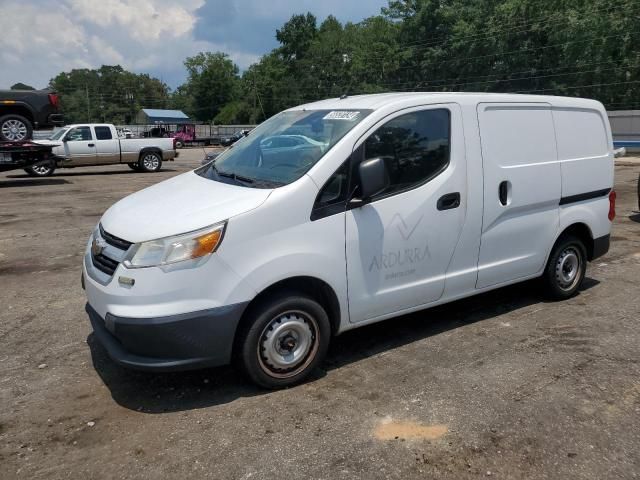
[
  {"x": 58, "y": 135},
  {"x": 283, "y": 148}
]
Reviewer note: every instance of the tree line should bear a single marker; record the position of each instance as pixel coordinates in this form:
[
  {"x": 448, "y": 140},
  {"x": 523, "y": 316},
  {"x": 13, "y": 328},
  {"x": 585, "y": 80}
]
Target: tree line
[{"x": 585, "y": 48}]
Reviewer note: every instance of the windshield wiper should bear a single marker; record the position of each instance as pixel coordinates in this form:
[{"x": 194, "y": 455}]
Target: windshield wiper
[{"x": 231, "y": 175}]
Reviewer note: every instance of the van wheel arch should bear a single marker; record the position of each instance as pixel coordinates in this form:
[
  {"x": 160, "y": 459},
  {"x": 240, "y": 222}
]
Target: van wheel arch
[
  {"x": 583, "y": 233},
  {"x": 313, "y": 287}
]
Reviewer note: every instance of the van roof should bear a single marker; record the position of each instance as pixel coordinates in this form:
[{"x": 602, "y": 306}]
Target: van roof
[{"x": 380, "y": 100}]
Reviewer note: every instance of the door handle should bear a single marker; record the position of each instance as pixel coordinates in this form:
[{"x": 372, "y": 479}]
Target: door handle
[
  {"x": 449, "y": 201},
  {"x": 91, "y": 144},
  {"x": 503, "y": 192}
]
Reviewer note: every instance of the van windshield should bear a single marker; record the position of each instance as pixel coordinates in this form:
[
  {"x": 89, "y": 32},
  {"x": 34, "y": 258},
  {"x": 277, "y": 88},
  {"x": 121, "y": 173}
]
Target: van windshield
[{"x": 282, "y": 149}]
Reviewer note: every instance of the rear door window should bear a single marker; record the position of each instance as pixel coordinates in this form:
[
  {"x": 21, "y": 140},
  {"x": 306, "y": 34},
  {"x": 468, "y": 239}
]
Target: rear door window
[{"x": 103, "y": 133}]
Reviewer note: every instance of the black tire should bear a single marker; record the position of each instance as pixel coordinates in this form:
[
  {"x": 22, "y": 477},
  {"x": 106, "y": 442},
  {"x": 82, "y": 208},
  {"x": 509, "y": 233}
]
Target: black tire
[
  {"x": 179, "y": 144},
  {"x": 15, "y": 128},
  {"x": 639, "y": 193},
  {"x": 150, "y": 162},
  {"x": 134, "y": 166},
  {"x": 566, "y": 268},
  {"x": 41, "y": 169},
  {"x": 287, "y": 324}
]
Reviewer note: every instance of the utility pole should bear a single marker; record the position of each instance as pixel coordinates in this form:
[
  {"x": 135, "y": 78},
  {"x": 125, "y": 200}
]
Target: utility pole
[{"x": 86, "y": 91}]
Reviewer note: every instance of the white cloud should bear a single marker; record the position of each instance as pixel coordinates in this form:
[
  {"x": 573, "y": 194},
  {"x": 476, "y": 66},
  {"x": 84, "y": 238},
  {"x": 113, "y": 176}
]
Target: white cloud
[
  {"x": 41, "y": 38},
  {"x": 38, "y": 42}
]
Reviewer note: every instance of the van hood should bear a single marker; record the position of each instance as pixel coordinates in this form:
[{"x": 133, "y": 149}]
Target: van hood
[{"x": 181, "y": 204}]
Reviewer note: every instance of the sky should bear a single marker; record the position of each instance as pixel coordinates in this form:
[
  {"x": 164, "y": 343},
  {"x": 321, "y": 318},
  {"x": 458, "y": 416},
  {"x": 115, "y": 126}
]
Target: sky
[{"x": 41, "y": 38}]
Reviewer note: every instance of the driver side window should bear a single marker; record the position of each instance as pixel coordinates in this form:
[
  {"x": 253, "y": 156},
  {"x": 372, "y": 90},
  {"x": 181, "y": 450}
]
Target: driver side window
[
  {"x": 79, "y": 134},
  {"x": 415, "y": 148}
]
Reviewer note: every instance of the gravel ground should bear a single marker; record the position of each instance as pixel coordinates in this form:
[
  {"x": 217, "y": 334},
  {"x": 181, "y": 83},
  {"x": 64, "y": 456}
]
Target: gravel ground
[{"x": 502, "y": 385}]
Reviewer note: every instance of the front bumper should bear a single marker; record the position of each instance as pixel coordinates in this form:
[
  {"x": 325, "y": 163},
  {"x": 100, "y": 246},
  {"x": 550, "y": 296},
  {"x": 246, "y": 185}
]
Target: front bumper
[{"x": 172, "y": 343}]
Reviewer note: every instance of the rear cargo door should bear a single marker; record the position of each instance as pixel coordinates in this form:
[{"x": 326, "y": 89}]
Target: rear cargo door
[{"x": 522, "y": 189}]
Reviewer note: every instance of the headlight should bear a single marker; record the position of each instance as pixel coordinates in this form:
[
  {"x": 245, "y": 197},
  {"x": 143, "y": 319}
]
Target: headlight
[{"x": 176, "y": 249}]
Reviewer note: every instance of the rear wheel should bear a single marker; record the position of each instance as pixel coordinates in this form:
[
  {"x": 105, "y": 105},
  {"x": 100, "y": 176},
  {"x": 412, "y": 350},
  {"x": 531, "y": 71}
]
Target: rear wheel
[
  {"x": 566, "y": 268},
  {"x": 284, "y": 340},
  {"x": 15, "y": 128},
  {"x": 179, "y": 144},
  {"x": 150, "y": 162}
]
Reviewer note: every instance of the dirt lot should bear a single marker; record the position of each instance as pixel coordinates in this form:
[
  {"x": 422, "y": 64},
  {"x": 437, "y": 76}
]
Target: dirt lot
[{"x": 503, "y": 385}]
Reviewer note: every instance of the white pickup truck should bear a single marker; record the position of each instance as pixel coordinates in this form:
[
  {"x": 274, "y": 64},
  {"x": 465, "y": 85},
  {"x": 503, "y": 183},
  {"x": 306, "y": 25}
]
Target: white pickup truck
[{"x": 93, "y": 144}]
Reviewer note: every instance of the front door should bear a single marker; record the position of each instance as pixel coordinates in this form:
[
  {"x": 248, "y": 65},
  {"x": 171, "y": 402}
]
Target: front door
[
  {"x": 80, "y": 147},
  {"x": 399, "y": 245},
  {"x": 522, "y": 189}
]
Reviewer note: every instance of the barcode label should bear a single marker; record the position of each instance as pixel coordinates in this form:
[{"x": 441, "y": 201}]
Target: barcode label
[{"x": 342, "y": 115}]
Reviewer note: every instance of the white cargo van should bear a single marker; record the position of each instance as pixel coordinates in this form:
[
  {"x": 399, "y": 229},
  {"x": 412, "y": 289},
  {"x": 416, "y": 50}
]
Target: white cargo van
[{"x": 344, "y": 212}]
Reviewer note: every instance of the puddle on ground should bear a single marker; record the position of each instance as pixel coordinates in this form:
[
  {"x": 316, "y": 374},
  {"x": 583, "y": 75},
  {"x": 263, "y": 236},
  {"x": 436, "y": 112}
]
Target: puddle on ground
[{"x": 392, "y": 430}]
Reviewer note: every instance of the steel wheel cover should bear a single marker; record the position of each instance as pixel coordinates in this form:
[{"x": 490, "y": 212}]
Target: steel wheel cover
[
  {"x": 288, "y": 344},
  {"x": 568, "y": 268}
]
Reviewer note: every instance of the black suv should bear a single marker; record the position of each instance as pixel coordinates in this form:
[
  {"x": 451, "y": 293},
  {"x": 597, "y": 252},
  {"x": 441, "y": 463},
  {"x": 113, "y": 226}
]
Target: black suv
[{"x": 22, "y": 111}]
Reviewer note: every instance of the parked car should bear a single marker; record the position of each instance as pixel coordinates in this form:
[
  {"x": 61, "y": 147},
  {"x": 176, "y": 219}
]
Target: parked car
[
  {"x": 416, "y": 200},
  {"x": 293, "y": 149},
  {"x": 81, "y": 145},
  {"x": 230, "y": 140},
  {"x": 23, "y": 111},
  {"x": 125, "y": 133}
]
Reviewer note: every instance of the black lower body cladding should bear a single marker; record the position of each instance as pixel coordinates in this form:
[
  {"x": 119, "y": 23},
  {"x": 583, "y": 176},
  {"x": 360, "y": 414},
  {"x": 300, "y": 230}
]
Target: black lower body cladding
[{"x": 172, "y": 343}]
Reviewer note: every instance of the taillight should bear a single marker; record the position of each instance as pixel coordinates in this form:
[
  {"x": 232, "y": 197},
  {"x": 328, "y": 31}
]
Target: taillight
[
  {"x": 53, "y": 100},
  {"x": 612, "y": 205}
]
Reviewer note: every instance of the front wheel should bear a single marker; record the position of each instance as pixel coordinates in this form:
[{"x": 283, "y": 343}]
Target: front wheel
[
  {"x": 284, "y": 340},
  {"x": 150, "y": 162},
  {"x": 40, "y": 169},
  {"x": 566, "y": 268}
]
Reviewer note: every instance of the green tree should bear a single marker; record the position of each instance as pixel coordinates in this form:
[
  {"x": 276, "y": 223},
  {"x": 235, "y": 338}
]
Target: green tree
[
  {"x": 211, "y": 82},
  {"x": 109, "y": 94},
  {"x": 21, "y": 86}
]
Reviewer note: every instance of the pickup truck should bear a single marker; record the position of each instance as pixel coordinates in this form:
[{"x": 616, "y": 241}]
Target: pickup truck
[
  {"x": 96, "y": 144},
  {"x": 22, "y": 111}
]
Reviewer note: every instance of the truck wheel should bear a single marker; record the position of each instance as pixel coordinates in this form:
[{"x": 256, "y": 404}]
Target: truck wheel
[
  {"x": 150, "y": 162},
  {"x": 15, "y": 128},
  {"x": 566, "y": 268},
  {"x": 284, "y": 339},
  {"x": 134, "y": 166},
  {"x": 42, "y": 169},
  {"x": 179, "y": 144}
]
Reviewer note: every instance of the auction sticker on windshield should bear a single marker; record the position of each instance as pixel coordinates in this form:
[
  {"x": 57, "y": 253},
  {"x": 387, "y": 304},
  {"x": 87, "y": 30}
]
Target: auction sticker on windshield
[{"x": 348, "y": 115}]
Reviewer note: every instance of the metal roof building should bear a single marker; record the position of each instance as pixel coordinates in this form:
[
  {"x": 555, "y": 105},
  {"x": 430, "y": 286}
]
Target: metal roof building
[{"x": 152, "y": 116}]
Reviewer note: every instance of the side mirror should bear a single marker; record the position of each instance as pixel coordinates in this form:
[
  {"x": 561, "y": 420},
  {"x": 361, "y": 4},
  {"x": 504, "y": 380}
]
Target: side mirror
[{"x": 373, "y": 178}]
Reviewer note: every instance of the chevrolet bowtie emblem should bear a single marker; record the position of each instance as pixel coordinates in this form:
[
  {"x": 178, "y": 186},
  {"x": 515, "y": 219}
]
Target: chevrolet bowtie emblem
[{"x": 97, "y": 246}]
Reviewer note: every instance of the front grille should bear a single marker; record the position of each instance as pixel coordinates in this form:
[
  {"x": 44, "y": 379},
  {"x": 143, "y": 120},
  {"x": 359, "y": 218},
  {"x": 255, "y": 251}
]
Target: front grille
[
  {"x": 104, "y": 264},
  {"x": 114, "y": 241},
  {"x": 109, "y": 258}
]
